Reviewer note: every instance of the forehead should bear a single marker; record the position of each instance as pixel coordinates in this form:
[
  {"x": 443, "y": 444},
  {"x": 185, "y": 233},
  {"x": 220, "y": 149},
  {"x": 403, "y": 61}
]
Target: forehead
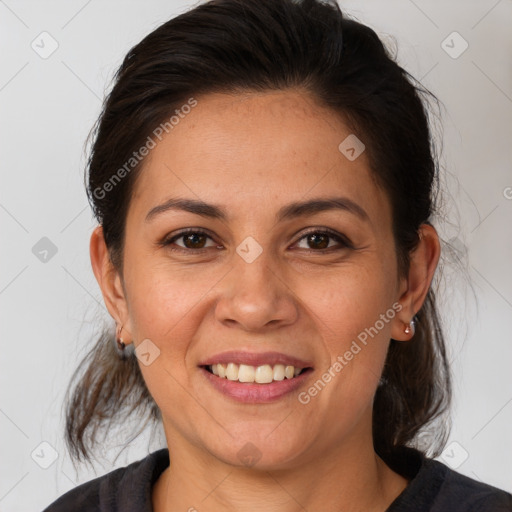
[{"x": 256, "y": 150}]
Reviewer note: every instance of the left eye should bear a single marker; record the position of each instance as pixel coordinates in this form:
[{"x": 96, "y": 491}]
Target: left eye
[{"x": 321, "y": 239}]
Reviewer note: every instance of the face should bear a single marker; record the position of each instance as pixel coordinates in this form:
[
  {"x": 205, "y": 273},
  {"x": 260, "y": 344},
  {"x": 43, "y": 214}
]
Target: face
[{"x": 257, "y": 276}]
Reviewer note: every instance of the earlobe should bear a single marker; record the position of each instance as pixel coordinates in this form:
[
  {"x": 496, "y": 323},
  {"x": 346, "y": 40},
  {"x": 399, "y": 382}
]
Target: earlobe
[
  {"x": 108, "y": 279},
  {"x": 423, "y": 263}
]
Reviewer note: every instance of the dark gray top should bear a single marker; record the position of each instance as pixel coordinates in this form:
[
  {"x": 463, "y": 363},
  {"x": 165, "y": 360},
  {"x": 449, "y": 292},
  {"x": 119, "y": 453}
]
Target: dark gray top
[{"x": 433, "y": 487}]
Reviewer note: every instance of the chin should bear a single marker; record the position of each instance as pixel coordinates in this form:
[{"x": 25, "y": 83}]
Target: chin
[{"x": 258, "y": 447}]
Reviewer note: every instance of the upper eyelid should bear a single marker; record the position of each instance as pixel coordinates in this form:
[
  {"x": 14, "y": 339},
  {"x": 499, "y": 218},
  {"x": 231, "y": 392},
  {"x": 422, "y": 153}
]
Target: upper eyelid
[
  {"x": 341, "y": 238},
  {"x": 168, "y": 239}
]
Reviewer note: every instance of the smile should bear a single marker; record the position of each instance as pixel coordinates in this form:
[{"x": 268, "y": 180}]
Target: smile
[
  {"x": 255, "y": 377},
  {"x": 259, "y": 374}
]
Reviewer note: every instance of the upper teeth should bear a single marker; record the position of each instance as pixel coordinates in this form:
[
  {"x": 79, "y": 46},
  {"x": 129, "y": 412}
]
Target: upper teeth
[{"x": 259, "y": 374}]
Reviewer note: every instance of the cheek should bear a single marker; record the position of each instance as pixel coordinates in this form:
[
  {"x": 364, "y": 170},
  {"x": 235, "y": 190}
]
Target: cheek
[
  {"x": 353, "y": 312},
  {"x": 163, "y": 299},
  {"x": 166, "y": 306},
  {"x": 351, "y": 298}
]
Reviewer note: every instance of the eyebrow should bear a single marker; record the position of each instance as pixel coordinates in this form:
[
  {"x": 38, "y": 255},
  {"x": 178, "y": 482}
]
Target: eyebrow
[{"x": 288, "y": 212}]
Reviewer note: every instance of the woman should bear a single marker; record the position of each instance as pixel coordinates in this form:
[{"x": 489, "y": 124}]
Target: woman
[{"x": 264, "y": 182}]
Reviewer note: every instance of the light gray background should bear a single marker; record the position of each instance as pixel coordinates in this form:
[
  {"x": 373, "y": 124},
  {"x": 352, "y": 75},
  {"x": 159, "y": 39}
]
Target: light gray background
[{"x": 50, "y": 310}]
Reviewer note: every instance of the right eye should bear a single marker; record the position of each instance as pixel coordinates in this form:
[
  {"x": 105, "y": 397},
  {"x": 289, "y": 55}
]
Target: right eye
[{"x": 193, "y": 240}]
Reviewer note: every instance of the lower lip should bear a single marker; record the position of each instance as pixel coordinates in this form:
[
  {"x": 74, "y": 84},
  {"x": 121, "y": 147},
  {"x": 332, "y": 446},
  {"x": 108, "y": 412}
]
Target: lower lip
[{"x": 256, "y": 393}]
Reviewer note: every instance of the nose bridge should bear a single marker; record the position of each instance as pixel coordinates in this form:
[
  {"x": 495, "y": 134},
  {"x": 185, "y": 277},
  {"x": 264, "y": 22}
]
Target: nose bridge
[
  {"x": 254, "y": 294},
  {"x": 255, "y": 276}
]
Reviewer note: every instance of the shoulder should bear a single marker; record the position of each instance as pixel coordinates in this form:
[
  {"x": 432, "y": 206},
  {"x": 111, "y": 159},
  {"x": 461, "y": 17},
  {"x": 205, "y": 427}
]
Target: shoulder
[
  {"x": 124, "y": 489},
  {"x": 461, "y": 493},
  {"x": 434, "y": 487}
]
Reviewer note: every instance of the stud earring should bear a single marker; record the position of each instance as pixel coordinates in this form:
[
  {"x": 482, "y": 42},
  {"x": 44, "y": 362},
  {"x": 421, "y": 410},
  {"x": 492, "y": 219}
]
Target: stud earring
[{"x": 410, "y": 327}]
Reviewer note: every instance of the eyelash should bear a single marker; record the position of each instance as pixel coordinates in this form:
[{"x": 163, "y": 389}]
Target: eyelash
[{"x": 341, "y": 239}]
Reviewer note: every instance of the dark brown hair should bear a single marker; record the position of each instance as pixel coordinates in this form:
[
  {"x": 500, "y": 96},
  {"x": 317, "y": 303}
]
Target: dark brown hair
[{"x": 263, "y": 45}]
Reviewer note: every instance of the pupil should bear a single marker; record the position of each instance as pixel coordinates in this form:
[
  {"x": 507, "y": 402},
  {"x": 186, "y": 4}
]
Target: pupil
[
  {"x": 315, "y": 238},
  {"x": 193, "y": 238}
]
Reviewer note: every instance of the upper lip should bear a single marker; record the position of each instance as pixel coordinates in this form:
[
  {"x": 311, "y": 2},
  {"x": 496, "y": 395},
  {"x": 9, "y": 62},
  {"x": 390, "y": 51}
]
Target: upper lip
[{"x": 255, "y": 359}]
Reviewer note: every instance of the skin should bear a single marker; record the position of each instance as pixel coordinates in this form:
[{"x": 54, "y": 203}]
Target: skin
[{"x": 252, "y": 154}]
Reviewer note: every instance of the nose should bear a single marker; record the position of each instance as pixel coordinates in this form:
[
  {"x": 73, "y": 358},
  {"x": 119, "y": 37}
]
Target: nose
[{"x": 256, "y": 297}]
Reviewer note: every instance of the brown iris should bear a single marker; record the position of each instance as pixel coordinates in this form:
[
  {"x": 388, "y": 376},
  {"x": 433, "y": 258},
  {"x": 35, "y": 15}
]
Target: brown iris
[
  {"x": 196, "y": 240},
  {"x": 321, "y": 241}
]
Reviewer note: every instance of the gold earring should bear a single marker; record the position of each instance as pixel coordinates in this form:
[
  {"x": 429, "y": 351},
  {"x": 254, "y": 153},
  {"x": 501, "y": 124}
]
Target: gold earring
[{"x": 120, "y": 343}]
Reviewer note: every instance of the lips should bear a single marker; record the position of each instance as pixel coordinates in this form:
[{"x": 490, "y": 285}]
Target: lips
[
  {"x": 256, "y": 359},
  {"x": 247, "y": 393}
]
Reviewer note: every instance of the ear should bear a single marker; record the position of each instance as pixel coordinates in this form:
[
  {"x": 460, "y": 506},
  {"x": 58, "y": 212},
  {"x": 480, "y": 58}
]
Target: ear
[
  {"x": 423, "y": 263},
  {"x": 110, "y": 282}
]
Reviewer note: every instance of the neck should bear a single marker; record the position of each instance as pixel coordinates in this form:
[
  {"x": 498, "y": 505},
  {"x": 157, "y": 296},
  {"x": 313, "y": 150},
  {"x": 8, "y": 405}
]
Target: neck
[{"x": 350, "y": 478}]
